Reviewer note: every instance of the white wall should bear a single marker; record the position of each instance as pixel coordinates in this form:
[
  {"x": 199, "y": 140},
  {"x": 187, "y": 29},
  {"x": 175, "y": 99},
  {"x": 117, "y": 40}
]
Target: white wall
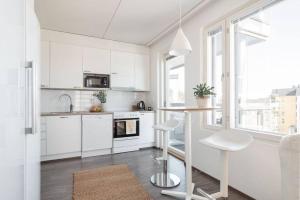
[
  {"x": 254, "y": 171},
  {"x": 83, "y": 100}
]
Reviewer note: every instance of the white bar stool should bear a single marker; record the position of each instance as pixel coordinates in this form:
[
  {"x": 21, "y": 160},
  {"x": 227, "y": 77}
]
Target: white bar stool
[
  {"x": 225, "y": 141},
  {"x": 165, "y": 179}
]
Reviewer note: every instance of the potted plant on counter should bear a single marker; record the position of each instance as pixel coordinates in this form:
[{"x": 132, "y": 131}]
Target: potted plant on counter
[
  {"x": 202, "y": 92},
  {"x": 101, "y": 96}
]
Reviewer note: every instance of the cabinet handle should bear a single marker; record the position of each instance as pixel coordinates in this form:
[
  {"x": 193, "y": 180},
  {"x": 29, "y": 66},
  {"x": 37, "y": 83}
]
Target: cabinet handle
[
  {"x": 114, "y": 73},
  {"x": 63, "y": 117},
  {"x": 76, "y": 87},
  {"x": 86, "y": 71}
]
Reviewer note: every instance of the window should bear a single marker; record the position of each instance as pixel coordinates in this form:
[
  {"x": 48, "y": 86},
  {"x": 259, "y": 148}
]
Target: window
[
  {"x": 175, "y": 96},
  {"x": 215, "y": 75},
  {"x": 175, "y": 81},
  {"x": 267, "y": 69}
]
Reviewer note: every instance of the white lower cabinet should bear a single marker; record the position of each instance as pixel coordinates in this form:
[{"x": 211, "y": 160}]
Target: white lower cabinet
[
  {"x": 147, "y": 138},
  {"x": 97, "y": 135},
  {"x": 63, "y": 137}
]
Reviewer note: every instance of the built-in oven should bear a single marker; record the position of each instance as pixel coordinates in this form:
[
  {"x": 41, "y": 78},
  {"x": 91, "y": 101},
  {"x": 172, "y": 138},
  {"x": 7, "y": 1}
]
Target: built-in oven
[
  {"x": 126, "y": 125},
  {"x": 96, "y": 80}
]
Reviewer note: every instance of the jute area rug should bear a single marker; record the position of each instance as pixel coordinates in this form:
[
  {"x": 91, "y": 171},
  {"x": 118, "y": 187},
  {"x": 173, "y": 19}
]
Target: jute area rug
[{"x": 115, "y": 182}]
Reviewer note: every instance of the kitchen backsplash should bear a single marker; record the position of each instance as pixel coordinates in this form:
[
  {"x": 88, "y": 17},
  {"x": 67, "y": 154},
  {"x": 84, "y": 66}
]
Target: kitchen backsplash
[{"x": 83, "y": 100}]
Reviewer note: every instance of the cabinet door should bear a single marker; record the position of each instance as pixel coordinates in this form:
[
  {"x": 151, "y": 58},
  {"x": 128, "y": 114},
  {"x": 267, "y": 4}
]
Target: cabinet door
[
  {"x": 65, "y": 66},
  {"x": 146, "y": 128},
  {"x": 122, "y": 70},
  {"x": 63, "y": 134},
  {"x": 142, "y": 72},
  {"x": 96, "y": 61},
  {"x": 45, "y": 63},
  {"x": 97, "y": 132}
]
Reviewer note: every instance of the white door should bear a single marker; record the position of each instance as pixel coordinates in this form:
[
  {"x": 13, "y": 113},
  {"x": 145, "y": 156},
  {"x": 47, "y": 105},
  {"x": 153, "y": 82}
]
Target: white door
[
  {"x": 146, "y": 129},
  {"x": 96, "y": 61},
  {"x": 65, "y": 66},
  {"x": 142, "y": 72},
  {"x": 63, "y": 134},
  {"x": 122, "y": 70},
  {"x": 96, "y": 132},
  {"x": 45, "y": 63}
]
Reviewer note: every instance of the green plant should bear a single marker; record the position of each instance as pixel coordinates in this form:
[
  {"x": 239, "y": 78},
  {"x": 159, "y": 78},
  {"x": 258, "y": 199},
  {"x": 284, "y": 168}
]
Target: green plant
[
  {"x": 101, "y": 96},
  {"x": 203, "y": 90}
]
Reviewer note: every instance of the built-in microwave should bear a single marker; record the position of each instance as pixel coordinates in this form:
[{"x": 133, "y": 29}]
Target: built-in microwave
[{"x": 96, "y": 80}]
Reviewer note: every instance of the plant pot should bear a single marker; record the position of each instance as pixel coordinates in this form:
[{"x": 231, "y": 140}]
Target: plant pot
[
  {"x": 104, "y": 107},
  {"x": 203, "y": 101}
]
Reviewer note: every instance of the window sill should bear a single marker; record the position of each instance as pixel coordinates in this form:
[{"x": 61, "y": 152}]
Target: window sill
[{"x": 267, "y": 136}]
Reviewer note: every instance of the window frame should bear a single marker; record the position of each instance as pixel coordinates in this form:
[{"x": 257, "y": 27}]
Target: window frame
[
  {"x": 219, "y": 25},
  {"x": 229, "y": 64}
]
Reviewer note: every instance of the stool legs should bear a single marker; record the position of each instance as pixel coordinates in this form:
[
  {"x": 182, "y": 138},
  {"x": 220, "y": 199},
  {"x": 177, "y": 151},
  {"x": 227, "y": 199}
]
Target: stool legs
[
  {"x": 224, "y": 174},
  {"x": 165, "y": 179}
]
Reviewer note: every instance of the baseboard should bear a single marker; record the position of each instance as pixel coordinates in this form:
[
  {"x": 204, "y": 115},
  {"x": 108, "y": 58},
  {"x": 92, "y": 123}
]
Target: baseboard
[
  {"x": 93, "y": 153},
  {"x": 60, "y": 156}
]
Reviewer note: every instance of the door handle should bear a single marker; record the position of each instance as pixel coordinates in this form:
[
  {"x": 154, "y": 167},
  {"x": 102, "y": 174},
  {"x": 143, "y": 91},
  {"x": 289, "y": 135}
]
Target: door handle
[{"x": 29, "y": 99}]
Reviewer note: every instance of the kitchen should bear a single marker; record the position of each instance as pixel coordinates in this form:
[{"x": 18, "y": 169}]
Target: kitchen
[
  {"x": 149, "y": 99},
  {"x": 74, "y": 69}
]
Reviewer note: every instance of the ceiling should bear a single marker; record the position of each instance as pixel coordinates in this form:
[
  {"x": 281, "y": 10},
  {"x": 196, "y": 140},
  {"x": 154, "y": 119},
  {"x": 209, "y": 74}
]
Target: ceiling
[{"x": 133, "y": 21}]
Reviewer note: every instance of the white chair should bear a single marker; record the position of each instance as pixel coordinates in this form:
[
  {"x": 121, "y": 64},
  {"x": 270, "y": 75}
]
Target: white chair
[
  {"x": 225, "y": 141},
  {"x": 289, "y": 151},
  {"x": 165, "y": 179}
]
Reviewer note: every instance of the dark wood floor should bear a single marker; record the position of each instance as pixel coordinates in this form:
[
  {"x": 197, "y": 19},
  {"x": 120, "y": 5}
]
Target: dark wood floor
[{"x": 57, "y": 177}]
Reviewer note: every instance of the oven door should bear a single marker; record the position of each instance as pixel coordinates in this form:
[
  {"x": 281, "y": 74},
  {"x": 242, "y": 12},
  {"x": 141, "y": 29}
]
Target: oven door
[{"x": 126, "y": 128}]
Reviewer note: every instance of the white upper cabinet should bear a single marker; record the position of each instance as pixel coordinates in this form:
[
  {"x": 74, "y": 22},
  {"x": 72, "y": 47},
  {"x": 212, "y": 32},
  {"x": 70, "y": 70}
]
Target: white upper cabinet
[
  {"x": 122, "y": 70},
  {"x": 65, "y": 66},
  {"x": 96, "y": 61},
  {"x": 142, "y": 72},
  {"x": 45, "y": 63}
]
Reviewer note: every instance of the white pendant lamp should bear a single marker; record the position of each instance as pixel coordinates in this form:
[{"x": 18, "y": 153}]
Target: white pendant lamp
[{"x": 180, "y": 45}]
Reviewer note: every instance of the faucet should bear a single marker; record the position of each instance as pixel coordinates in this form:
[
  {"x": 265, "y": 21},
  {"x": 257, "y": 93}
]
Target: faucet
[{"x": 70, "y": 100}]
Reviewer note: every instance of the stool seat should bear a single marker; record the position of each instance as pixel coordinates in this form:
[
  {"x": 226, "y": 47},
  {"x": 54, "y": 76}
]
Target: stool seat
[
  {"x": 228, "y": 141},
  {"x": 162, "y": 127},
  {"x": 169, "y": 125}
]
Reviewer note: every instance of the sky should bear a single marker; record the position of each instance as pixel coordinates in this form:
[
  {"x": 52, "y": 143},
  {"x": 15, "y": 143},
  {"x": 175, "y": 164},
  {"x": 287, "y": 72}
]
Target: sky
[{"x": 275, "y": 64}]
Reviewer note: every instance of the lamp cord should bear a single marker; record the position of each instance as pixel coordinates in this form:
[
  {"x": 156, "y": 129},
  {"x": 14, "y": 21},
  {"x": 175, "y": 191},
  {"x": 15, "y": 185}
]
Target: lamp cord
[{"x": 180, "y": 13}]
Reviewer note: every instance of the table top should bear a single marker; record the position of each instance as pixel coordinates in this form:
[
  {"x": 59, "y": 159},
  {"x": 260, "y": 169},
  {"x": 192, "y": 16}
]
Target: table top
[{"x": 190, "y": 109}]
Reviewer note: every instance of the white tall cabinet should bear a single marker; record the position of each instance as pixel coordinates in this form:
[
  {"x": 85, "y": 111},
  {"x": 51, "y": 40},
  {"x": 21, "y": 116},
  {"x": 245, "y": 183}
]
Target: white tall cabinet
[
  {"x": 19, "y": 164},
  {"x": 65, "y": 66}
]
